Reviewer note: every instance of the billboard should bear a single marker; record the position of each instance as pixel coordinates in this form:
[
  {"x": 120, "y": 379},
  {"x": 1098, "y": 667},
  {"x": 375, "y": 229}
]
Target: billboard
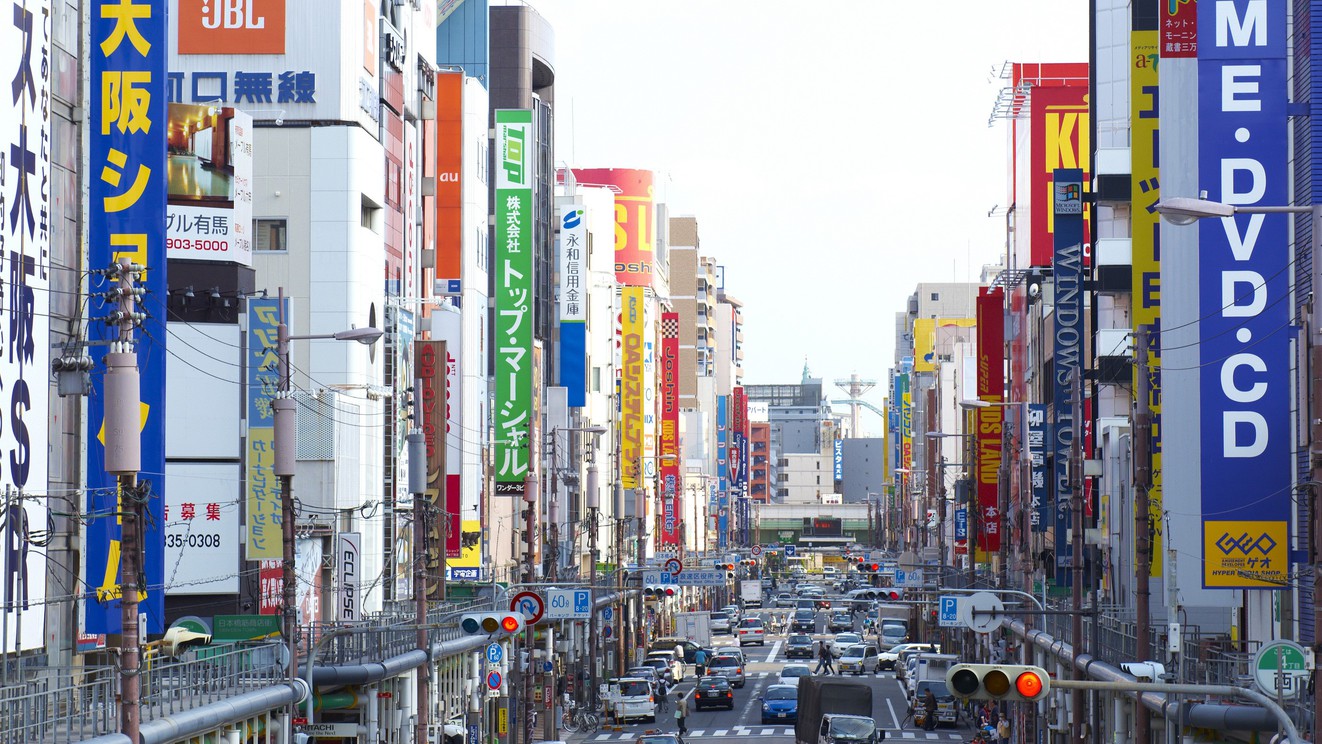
[
  {"x": 1067, "y": 353},
  {"x": 1059, "y": 139},
  {"x": 202, "y": 528},
  {"x": 126, "y": 218},
  {"x": 572, "y": 301},
  {"x": 669, "y": 439},
  {"x": 209, "y": 215},
  {"x": 722, "y": 470},
  {"x": 635, "y": 218},
  {"x": 449, "y": 186},
  {"x": 348, "y": 577},
  {"x": 1244, "y": 306},
  {"x": 631, "y": 386},
  {"x": 263, "y": 513},
  {"x": 1178, "y": 22},
  {"x": 933, "y": 335},
  {"x": 232, "y": 27},
  {"x": 430, "y": 366},
  {"x": 1041, "y": 512},
  {"x": 447, "y": 325},
  {"x": 991, "y": 388},
  {"x": 513, "y": 409}
]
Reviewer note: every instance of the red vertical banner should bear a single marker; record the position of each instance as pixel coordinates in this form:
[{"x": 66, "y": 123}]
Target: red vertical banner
[
  {"x": 1179, "y": 29},
  {"x": 429, "y": 363},
  {"x": 669, "y": 450},
  {"x": 991, "y": 388}
]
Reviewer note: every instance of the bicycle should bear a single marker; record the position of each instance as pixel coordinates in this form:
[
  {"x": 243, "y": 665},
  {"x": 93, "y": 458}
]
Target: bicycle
[{"x": 579, "y": 718}]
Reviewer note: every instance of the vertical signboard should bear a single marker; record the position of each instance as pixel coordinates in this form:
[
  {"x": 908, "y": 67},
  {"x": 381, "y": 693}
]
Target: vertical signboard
[
  {"x": 401, "y": 337},
  {"x": 631, "y": 387},
  {"x": 25, "y": 215},
  {"x": 722, "y": 470},
  {"x": 1041, "y": 513},
  {"x": 991, "y": 388},
  {"x": 635, "y": 215},
  {"x": 127, "y": 193},
  {"x": 838, "y": 460},
  {"x": 1067, "y": 351},
  {"x": 263, "y": 488},
  {"x": 670, "y": 431},
  {"x": 449, "y": 188},
  {"x": 447, "y": 326},
  {"x": 209, "y": 217},
  {"x": 514, "y": 288},
  {"x": 1245, "y": 397},
  {"x": 348, "y": 578},
  {"x": 1179, "y": 29},
  {"x": 906, "y": 422},
  {"x": 1145, "y": 236},
  {"x": 573, "y": 303},
  {"x": 1059, "y": 140},
  {"x": 430, "y": 367}
]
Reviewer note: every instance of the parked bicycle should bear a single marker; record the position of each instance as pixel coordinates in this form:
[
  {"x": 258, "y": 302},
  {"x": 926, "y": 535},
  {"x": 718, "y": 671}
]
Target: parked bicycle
[{"x": 578, "y": 718}]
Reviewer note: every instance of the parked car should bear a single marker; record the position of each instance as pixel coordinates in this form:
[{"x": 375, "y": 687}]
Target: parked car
[
  {"x": 843, "y": 641},
  {"x": 667, "y": 666},
  {"x": 713, "y": 692},
  {"x": 720, "y": 622},
  {"x": 631, "y": 697},
  {"x": 751, "y": 630},
  {"x": 688, "y": 648},
  {"x": 729, "y": 667},
  {"x": 840, "y": 621},
  {"x": 860, "y": 659},
  {"x": 804, "y": 620},
  {"x": 780, "y": 703},
  {"x": 890, "y": 657},
  {"x": 784, "y": 599},
  {"x": 790, "y": 674},
  {"x": 799, "y": 646}
]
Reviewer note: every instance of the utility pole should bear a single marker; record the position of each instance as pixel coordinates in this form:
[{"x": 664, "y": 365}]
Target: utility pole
[
  {"x": 1314, "y": 451},
  {"x": 417, "y": 483},
  {"x": 1076, "y": 540},
  {"x": 123, "y": 424},
  {"x": 286, "y": 441},
  {"x": 594, "y": 508},
  {"x": 1142, "y": 527}
]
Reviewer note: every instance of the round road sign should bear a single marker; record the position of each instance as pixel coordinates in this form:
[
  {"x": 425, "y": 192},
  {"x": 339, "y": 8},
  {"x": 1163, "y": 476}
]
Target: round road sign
[
  {"x": 756, "y": 550},
  {"x": 1283, "y": 666},
  {"x": 493, "y": 680},
  {"x": 530, "y": 604},
  {"x": 607, "y": 631},
  {"x": 982, "y": 612},
  {"x": 673, "y": 566}
]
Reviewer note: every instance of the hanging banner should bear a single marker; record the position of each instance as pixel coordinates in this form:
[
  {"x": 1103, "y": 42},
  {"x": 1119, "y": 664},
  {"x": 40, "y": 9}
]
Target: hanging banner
[
  {"x": 1041, "y": 512},
  {"x": 513, "y": 410},
  {"x": 631, "y": 387},
  {"x": 126, "y": 126},
  {"x": 669, "y": 453},
  {"x": 1067, "y": 351},
  {"x": 722, "y": 471},
  {"x": 1245, "y": 308},
  {"x": 991, "y": 389},
  {"x": 572, "y": 302},
  {"x": 430, "y": 366},
  {"x": 348, "y": 576}
]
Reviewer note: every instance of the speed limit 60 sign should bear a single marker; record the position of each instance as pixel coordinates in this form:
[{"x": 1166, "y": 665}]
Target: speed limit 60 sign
[{"x": 568, "y": 604}]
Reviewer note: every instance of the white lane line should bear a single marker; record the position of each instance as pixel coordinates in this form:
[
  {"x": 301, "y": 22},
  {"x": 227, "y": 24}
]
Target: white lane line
[
  {"x": 768, "y": 732},
  {"x": 720, "y": 732},
  {"x": 894, "y": 717},
  {"x": 775, "y": 649},
  {"x": 908, "y": 735},
  {"x": 603, "y": 737},
  {"x": 696, "y": 733}
]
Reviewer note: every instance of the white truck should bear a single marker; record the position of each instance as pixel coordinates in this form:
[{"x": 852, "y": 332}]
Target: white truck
[
  {"x": 750, "y": 591},
  {"x": 930, "y": 672},
  {"x": 695, "y": 626}
]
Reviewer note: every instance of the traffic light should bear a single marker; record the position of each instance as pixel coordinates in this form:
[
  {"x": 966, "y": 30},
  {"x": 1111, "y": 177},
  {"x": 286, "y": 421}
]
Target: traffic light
[
  {"x": 653, "y": 591},
  {"x": 998, "y": 682},
  {"x": 668, "y": 591},
  {"x": 892, "y": 594},
  {"x": 491, "y": 623},
  {"x": 178, "y": 640}
]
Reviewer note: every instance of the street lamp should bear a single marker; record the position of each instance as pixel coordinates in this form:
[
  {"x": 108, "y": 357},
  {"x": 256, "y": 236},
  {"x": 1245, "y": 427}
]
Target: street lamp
[
  {"x": 285, "y": 456},
  {"x": 1182, "y": 210}
]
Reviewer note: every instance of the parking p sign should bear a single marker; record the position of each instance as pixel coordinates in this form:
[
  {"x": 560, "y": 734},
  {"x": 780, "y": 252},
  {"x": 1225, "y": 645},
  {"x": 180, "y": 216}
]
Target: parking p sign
[
  {"x": 949, "y": 612},
  {"x": 568, "y": 604}
]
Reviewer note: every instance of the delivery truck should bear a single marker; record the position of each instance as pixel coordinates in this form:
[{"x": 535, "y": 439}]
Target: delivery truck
[
  {"x": 750, "y": 591},
  {"x": 834, "y": 711},
  {"x": 695, "y": 626}
]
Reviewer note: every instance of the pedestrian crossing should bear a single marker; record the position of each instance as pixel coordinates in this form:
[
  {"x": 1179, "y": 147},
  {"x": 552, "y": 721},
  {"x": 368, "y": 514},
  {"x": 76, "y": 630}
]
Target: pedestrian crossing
[{"x": 773, "y": 731}]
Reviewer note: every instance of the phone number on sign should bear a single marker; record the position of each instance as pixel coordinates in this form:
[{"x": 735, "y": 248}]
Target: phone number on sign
[
  {"x": 192, "y": 541},
  {"x": 185, "y": 244}
]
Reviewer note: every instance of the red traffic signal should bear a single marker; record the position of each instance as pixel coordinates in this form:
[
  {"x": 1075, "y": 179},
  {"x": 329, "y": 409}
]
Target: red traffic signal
[{"x": 670, "y": 591}]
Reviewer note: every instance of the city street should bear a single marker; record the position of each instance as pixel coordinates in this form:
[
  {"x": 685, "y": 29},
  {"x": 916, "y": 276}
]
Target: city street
[{"x": 888, "y": 706}]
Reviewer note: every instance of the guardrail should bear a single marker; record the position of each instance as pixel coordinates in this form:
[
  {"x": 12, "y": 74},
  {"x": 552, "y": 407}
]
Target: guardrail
[{"x": 60, "y": 705}]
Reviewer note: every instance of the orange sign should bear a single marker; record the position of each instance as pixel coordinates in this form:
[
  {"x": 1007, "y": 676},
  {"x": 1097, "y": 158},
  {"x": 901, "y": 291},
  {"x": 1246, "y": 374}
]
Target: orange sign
[
  {"x": 449, "y": 166},
  {"x": 231, "y": 26}
]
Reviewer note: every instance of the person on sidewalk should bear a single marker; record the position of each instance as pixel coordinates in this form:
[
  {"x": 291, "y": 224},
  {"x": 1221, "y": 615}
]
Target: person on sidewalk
[{"x": 681, "y": 715}]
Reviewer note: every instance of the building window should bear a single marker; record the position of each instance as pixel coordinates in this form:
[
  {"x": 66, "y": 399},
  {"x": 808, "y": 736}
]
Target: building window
[
  {"x": 369, "y": 215},
  {"x": 936, "y": 296},
  {"x": 272, "y": 235},
  {"x": 596, "y": 379}
]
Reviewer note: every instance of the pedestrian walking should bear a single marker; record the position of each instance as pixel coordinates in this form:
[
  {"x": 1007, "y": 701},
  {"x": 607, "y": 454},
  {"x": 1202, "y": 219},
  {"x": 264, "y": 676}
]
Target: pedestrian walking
[
  {"x": 929, "y": 710},
  {"x": 681, "y": 715},
  {"x": 825, "y": 660}
]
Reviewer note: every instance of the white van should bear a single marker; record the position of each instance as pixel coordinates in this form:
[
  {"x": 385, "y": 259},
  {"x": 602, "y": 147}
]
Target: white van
[{"x": 630, "y": 698}]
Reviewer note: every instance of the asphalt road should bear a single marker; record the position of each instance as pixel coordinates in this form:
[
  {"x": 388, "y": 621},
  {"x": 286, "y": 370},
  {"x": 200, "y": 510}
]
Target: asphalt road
[{"x": 764, "y": 664}]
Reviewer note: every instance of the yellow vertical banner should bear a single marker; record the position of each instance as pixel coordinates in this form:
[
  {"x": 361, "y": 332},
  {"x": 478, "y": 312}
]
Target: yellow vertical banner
[
  {"x": 1145, "y": 245},
  {"x": 632, "y": 392}
]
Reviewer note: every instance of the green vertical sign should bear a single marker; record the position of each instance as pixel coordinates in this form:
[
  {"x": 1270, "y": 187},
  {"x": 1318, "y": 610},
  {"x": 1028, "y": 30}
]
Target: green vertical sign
[{"x": 514, "y": 282}]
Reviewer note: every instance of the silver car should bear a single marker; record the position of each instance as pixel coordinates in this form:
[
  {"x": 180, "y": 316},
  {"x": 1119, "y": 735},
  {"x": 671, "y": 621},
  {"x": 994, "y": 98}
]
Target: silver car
[{"x": 729, "y": 667}]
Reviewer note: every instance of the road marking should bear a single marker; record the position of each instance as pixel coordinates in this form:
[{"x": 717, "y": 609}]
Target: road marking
[
  {"x": 893, "y": 716},
  {"x": 772, "y": 732},
  {"x": 603, "y": 737},
  {"x": 720, "y": 732},
  {"x": 775, "y": 649}
]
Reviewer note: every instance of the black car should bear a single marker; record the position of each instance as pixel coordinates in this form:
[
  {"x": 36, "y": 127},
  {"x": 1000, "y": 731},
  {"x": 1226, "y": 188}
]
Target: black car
[
  {"x": 805, "y": 621},
  {"x": 713, "y": 692},
  {"x": 841, "y": 621},
  {"x": 690, "y": 648},
  {"x": 799, "y": 645}
]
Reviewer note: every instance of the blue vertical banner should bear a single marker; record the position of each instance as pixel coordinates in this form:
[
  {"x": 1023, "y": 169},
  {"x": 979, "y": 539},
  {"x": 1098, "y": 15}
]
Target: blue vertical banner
[
  {"x": 962, "y": 524},
  {"x": 1067, "y": 350},
  {"x": 722, "y": 471},
  {"x": 838, "y": 460},
  {"x": 1245, "y": 326},
  {"x": 572, "y": 301},
  {"x": 126, "y": 167},
  {"x": 1040, "y": 512},
  {"x": 262, "y": 509}
]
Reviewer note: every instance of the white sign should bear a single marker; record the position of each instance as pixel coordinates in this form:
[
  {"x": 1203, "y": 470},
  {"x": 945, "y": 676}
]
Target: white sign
[
  {"x": 912, "y": 578},
  {"x": 572, "y": 292},
  {"x": 1281, "y": 666},
  {"x": 568, "y": 604},
  {"x": 949, "y": 612},
  {"x": 349, "y": 569},
  {"x": 202, "y": 528},
  {"x": 982, "y": 612},
  {"x": 685, "y": 578},
  {"x": 209, "y": 214},
  {"x": 330, "y": 730}
]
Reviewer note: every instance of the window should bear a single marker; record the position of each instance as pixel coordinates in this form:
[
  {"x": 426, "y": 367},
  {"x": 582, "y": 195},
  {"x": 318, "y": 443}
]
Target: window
[
  {"x": 369, "y": 215},
  {"x": 936, "y": 296},
  {"x": 272, "y": 235}
]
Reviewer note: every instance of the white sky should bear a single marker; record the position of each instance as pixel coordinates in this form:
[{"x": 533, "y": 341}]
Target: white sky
[{"x": 835, "y": 153}]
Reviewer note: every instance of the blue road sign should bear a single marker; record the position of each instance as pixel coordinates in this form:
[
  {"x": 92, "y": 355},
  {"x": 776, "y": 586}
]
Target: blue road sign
[
  {"x": 582, "y": 602},
  {"x": 607, "y": 631},
  {"x": 899, "y": 577},
  {"x": 790, "y": 550},
  {"x": 474, "y": 734},
  {"x": 606, "y": 614},
  {"x": 493, "y": 680},
  {"x": 495, "y": 653},
  {"x": 949, "y": 613}
]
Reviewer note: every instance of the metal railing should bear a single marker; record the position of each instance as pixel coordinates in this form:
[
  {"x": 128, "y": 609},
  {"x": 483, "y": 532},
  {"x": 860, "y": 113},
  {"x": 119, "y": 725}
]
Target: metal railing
[{"x": 59, "y": 705}]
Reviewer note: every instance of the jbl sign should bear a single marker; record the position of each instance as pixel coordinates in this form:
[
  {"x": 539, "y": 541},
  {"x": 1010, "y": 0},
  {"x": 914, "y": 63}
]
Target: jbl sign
[{"x": 232, "y": 27}]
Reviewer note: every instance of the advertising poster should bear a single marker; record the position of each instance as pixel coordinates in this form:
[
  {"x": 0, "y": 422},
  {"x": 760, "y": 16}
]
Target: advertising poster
[
  {"x": 722, "y": 470},
  {"x": 635, "y": 216},
  {"x": 572, "y": 302},
  {"x": 991, "y": 388},
  {"x": 1059, "y": 139},
  {"x": 449, "y": 186},
  {"x": 209, "y": 215},
  {"x": 1178, "y": 21},
  {"x": 430, "y": 366},
  {"x": 513, "y": 371},
  {"x": 632, "y": 398},
  {"x": 263, "y": 512},
  {"x": 1244, "y": 305},
  {"x": 447, "y": 326},
  {"x": 126, "y": 218},
  {"x": 202, "y": 528}
]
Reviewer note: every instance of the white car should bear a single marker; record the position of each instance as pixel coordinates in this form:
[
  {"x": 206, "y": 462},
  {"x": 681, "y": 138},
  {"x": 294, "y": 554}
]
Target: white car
[
  {"x": 631, "y": 697},
  {"x": 891, "y": 656},
  {"x": 843, "y": 641},
  {"x": 672, "y": 665},
  {"x": 859, "y": 659},
  {"x": 790, "y": 674},
  {"x": 751, "y": 630},
  {"x": 720, "y": 622}
]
